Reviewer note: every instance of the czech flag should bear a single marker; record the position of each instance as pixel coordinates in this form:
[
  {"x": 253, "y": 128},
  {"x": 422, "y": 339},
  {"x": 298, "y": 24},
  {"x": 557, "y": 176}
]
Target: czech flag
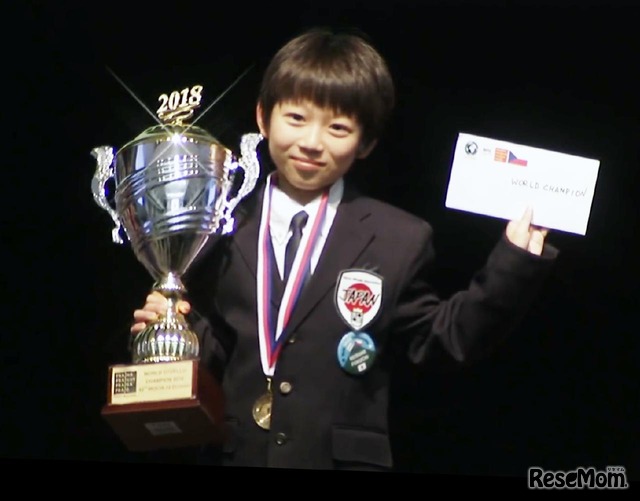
[{"x": 515, "y": 160}]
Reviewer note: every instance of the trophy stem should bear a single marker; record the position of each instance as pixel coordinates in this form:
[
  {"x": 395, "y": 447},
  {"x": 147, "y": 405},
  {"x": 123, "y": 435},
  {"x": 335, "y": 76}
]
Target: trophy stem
[{"x": 169, "y": 338}]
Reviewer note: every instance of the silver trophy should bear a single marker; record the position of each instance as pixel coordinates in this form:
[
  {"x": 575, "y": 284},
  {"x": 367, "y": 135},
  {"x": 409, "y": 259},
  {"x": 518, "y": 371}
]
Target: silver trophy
[
  {"x": 176, "y": 186},
  {"x": 173, "y": 191}
]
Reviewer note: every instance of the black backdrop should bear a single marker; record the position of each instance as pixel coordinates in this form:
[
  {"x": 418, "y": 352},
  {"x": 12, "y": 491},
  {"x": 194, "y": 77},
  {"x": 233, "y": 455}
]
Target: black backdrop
[{"x": 561, "y": 393}]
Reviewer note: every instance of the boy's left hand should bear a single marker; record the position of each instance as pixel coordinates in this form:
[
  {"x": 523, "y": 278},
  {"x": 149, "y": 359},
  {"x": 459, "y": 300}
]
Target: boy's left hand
[{"x": 522, "y": 233}]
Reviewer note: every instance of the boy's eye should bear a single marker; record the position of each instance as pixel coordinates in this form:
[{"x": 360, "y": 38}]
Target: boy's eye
[
  {"x": 340, "y": 127},
  {"x": 295, "y": 116}
]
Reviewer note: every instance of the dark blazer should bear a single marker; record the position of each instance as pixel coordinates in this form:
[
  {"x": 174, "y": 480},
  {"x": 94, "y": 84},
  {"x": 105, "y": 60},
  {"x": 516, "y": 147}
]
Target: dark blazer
[{"x": 322, "y": 416}]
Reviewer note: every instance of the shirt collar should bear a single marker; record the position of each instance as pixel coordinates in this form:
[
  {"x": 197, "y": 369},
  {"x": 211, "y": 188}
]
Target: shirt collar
[{"x": 283, "y": 208}]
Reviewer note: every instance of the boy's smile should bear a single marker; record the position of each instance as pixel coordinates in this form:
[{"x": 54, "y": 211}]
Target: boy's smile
[{"x": 311, "y": 146}]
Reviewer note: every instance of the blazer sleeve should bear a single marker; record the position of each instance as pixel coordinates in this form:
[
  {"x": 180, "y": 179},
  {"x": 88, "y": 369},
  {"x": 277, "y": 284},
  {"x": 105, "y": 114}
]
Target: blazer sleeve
[
  {"x": 214, "y": 345},
  {"x": 471, "y": 323},
  {"x": 216, "y": 337}
]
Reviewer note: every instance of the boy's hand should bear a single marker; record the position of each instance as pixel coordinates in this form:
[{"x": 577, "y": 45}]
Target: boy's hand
[
  {"x": 522, "y": 233},
  {"x": 155, "y": 307}
]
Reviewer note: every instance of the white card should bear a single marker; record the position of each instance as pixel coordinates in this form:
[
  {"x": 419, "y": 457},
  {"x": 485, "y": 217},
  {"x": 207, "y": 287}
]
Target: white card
[{"x": 500, "y": 179}]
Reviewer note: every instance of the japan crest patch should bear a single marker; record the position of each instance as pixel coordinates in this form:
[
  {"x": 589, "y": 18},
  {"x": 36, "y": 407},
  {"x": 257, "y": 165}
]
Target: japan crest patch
[{"x": 358, "y": 297}]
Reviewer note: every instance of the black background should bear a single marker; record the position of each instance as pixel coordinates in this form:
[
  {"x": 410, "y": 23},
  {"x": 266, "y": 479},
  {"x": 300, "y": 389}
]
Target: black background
[{"x": 561, "y": 393}]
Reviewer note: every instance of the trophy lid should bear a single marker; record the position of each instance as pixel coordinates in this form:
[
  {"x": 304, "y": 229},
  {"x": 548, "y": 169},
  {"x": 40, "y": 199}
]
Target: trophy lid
[{"x": 168, "y": 132}]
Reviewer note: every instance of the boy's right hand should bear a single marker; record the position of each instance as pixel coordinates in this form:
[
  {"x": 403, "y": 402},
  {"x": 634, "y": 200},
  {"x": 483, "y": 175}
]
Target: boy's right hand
[{"x": 155, "y": 307}]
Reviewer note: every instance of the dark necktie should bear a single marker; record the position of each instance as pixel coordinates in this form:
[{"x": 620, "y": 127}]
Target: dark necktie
[{"x": 297, "y": 224}]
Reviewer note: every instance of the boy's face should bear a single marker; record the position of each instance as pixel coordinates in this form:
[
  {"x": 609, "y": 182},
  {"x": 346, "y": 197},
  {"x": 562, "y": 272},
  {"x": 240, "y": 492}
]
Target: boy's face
[{"x": 312, "y": 147}]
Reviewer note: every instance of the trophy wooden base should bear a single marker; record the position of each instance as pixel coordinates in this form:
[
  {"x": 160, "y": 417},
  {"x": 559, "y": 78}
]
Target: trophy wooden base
[{"x": 164, "y": 405}]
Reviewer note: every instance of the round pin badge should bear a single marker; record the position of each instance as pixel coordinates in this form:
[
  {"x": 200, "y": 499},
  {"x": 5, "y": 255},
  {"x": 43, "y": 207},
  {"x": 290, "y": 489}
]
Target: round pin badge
[{"x": 356, "y": 352}]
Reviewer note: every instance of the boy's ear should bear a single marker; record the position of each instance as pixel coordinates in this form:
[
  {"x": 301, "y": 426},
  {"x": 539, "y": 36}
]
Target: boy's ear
[
  {"x": 260, "y": 120},
  {"x": 365, "y": 149}
]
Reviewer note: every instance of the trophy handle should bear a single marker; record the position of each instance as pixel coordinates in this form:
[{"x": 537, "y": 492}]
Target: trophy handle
[
  {"x": 248, "y": 161},
  {"x": 104, "y": 172}
]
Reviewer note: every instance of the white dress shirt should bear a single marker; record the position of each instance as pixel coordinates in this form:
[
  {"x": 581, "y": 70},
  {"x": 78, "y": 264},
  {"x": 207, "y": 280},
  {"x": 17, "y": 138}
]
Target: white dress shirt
[{"x": 283, "y": 208}]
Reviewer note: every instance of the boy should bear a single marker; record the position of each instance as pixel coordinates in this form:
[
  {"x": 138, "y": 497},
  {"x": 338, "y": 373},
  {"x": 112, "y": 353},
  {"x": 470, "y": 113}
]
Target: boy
[{"x": 305, "y": 346}]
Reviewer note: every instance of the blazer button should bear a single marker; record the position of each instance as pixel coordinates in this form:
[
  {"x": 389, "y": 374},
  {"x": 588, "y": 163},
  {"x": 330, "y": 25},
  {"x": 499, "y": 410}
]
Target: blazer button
[
  {"x": 285, "y": 387},
  {"x": 281, "y": 438},
  {"x": 291, "y": 340}
]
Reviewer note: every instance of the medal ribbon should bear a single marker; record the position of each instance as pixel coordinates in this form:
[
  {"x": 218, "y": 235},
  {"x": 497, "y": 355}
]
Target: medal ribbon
[{"x": 268, "y": 336}]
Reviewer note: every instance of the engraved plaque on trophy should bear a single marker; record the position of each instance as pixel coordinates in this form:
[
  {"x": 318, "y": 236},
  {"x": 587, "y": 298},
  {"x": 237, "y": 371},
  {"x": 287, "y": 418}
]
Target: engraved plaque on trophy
[{"x": 174, "y": 190}]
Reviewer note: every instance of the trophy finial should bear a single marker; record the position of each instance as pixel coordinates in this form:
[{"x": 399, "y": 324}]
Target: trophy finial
[{"x": 178, "y": 105}]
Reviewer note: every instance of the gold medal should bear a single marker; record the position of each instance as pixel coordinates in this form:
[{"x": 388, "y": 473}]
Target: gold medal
[
  {"x": 262, "y": 411},
  {"x": 262, "y": 408}
]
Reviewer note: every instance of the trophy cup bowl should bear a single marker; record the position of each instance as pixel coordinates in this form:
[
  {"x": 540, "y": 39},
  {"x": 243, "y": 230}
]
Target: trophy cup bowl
[{"x": 174, "y": 190}]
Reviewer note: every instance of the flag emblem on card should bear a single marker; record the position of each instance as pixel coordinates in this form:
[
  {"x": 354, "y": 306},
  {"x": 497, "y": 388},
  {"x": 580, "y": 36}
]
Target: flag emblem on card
[
  {"x": 501, "y": 155},
  {"x": 515, "y": 160},
  {"x": 506, "y": 156}
]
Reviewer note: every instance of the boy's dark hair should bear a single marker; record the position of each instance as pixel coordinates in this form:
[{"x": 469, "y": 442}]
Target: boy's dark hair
[{"x": 339, "y": 70}]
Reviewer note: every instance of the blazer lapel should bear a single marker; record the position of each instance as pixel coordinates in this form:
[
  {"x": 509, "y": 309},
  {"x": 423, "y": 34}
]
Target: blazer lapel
[
  {"x": 246, "y": 235},
  {"x": 246, "y": 241},
  {"x": 346, "y": 241}
]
